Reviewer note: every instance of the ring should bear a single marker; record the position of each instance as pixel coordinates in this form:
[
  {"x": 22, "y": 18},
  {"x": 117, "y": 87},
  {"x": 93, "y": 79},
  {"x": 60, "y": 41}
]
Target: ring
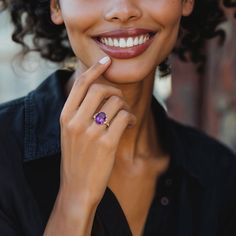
[{"x": 101, "y": 119}]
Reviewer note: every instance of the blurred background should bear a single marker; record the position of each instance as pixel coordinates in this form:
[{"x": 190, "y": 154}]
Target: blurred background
[
  {"x": 206, "y": 101},
  {"x": 18, "y": 76}
]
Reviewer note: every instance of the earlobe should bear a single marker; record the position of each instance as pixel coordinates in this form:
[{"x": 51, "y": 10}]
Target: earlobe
[
  {"x": 55, "y": 10},
  {"x": 188, "y": 6}
]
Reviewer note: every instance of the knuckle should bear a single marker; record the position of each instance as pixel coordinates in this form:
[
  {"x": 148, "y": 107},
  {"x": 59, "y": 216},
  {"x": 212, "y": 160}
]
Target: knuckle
[
  {"x": 91, "y": 134},
  {"x": 105, "y": 90},
  {"x": 64, "y": 118},
  {"x": 74, "y": 127},
  {"x": 119, "y": 92},
  {"x": 109, "y": 92},
  {"x": 124, "y": 115},
  {"x": 107, "y": 142},
  {"x": 96, "y": 88},
  {"x": 117, "y": 100},
  {"x": 71, "y": 127},
  {"x": 81, "y": 80}
]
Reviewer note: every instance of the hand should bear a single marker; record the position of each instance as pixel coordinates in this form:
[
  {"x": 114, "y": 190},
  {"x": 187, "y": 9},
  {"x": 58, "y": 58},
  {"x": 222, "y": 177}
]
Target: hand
[{"x": 88, "y": 149}]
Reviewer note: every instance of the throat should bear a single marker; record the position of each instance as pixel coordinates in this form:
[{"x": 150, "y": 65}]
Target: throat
[{"x": 140, "y": 142}]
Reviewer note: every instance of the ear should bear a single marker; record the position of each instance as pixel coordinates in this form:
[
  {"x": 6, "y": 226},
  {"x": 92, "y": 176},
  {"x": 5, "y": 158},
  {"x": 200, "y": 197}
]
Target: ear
[
  {"x": 188, "y": 6},
  {"x": 55, "y": 10}
]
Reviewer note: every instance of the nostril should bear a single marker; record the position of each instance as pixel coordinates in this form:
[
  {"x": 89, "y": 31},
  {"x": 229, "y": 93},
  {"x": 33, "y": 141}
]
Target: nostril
[
  {"x": 124, "y": 18},
  {"x": 115, "y": 18}
]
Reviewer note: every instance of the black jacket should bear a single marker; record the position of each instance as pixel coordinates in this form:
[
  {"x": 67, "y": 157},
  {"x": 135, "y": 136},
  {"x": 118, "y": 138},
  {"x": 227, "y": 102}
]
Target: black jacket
[{"x": 195, "y": 197}]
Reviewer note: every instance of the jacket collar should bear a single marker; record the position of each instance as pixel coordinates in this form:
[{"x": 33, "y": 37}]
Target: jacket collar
[
  {"x": 42, "y": 113},
  {"x": 42, "y": 129}
]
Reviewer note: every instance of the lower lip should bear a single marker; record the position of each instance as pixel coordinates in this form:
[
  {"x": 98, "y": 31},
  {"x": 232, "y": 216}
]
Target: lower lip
[{"x": 125, "y": 53}]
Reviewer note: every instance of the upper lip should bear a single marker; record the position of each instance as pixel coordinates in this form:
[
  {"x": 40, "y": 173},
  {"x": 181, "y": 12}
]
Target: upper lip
[{"x": 130, "y": 32}]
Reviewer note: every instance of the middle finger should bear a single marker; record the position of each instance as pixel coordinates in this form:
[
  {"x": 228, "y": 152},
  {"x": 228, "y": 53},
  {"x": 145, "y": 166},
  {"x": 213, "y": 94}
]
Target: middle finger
[{"x": 97, "y": 94}]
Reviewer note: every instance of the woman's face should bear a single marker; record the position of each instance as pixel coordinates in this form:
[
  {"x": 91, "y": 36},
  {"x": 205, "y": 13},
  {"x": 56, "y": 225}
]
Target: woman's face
[{"x": 137, "y": 34}]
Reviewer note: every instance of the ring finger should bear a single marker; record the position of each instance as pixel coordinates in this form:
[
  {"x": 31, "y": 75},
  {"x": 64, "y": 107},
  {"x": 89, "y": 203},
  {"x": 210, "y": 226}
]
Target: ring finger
[{"x": 107, "y": 112}]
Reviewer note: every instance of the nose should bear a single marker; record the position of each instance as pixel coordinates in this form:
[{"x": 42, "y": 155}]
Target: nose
[{"x": 122, "y": 11}]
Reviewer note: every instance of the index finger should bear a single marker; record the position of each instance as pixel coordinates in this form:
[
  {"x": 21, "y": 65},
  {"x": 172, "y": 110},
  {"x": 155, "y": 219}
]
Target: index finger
[{"x": 82, "y": 83}]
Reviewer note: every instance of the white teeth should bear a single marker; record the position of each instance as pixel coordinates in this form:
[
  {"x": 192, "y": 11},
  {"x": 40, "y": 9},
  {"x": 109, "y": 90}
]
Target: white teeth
[
  {"x": 116, "y": 42},
  {"x": 122, "y": 43},
  {"x": 136, "y": 41},
  {"x": 106, "y": 41},
  {"x": 110, "y": 42},
  {"x": 125, "y": 42},
  {"x": 130, "y": 42},
  {"x": 140, "y": 40}
]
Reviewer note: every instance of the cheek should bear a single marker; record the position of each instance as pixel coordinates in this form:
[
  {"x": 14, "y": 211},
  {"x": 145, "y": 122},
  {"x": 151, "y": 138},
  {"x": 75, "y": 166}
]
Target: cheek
[
  {"x": 79, "y": 15},
  {"x": 166, "y": 13}
]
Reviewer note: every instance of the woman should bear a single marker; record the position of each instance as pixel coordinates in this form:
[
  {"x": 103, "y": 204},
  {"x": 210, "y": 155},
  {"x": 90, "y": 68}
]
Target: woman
[{"x": 91, "y": 151}]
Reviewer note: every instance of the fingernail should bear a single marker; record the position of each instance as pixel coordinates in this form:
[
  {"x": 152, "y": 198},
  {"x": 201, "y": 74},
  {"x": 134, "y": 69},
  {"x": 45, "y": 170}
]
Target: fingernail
[{"x": 104, "y": 60}]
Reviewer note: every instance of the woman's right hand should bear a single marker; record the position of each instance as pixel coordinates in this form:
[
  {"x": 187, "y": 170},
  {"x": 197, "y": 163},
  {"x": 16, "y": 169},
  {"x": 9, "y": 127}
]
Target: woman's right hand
[{"x": 88, "y": 149}]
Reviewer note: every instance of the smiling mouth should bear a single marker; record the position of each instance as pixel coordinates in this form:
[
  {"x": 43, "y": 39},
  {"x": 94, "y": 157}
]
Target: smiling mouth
[{"x": 125, "y": 44}]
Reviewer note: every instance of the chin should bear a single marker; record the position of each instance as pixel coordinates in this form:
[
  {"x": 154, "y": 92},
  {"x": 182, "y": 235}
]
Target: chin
[{"x": 127, "y": 73}]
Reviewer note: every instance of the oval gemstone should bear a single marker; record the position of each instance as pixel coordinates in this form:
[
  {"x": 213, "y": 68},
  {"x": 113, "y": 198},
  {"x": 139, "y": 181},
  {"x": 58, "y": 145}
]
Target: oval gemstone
[{"x": 100, "y": 118}]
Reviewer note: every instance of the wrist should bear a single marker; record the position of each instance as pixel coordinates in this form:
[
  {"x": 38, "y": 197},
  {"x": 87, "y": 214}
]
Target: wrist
[
  {"x": 75, "y": 205},
  {"x": 70, "y": 217}
]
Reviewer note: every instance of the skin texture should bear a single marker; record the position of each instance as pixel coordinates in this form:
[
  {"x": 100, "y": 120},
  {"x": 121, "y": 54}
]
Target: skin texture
[
  {"x": 82, "y": 22},
  {"x": 129, "y": 159}
]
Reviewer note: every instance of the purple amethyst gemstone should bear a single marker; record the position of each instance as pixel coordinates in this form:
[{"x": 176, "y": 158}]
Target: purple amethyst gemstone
[{"x": 100, "y": 118}]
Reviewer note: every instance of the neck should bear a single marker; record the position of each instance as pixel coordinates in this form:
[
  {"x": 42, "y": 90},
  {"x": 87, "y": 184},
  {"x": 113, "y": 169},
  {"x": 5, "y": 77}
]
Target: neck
[{"x": 141, "y": 140}]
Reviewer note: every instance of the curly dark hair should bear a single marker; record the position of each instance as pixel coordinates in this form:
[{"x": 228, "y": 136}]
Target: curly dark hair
[{"x": 33, "y": 18}]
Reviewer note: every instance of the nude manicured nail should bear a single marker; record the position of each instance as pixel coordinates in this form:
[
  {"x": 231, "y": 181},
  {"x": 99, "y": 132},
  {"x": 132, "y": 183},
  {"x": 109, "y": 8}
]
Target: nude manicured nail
[{"x": 104, "y": 60}]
